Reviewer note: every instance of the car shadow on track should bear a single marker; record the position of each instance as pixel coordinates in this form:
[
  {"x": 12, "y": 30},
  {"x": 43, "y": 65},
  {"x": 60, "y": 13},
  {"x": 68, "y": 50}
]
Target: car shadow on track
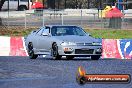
[
  {"x": 78, "y": 59},
  {"x": 64, "y": 59}
]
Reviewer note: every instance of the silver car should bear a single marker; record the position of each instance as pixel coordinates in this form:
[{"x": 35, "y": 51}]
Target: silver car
[{"x": 58, "y": 41}]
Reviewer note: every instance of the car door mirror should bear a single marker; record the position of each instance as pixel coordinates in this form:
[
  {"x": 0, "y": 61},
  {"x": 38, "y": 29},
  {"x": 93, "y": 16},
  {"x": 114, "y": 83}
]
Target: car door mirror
[
  {"x": 34, "y": 31},
  {"x": 89, "y": 34}
]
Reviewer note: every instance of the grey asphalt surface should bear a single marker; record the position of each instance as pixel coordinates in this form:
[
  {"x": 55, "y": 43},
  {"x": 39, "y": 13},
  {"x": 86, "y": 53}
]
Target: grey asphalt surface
[{"x": 22, "y": 72}]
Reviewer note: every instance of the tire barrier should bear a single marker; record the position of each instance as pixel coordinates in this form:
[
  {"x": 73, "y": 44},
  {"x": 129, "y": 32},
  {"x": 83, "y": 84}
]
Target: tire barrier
[{"x": 112, "y": 48}]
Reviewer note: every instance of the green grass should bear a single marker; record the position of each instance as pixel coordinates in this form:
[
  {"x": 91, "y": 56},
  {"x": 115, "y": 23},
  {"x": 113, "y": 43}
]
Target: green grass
[
  {"x": 97, "y": 33},
  {"x": 15, "y": 31},
  {"x": 110, "y": 33}
]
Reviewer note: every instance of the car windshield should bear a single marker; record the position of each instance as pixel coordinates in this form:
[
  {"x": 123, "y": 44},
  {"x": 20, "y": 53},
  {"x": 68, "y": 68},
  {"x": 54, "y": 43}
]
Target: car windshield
[{"x": 67, "y": 30}]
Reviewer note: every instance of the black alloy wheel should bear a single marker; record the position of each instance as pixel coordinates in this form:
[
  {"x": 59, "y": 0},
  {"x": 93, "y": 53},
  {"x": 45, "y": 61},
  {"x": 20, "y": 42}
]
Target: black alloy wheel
[
  {"x": 31, "y": 52},
  {"x": 55, "y": 53}
]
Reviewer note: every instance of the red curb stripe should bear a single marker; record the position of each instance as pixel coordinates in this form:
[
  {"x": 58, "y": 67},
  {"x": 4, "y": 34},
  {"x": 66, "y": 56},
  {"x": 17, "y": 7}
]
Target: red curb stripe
[{"x": 16, "y": 47}]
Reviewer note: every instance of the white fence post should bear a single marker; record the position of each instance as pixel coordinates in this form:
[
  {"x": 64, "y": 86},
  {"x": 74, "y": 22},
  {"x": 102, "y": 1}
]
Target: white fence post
[
  {"x": 43, "y": 19},
  {"x": 25, "y": 20},
  {"x": 81, "y": 17},
  {"x": 8, "y": 18},
  {"x": 101, "y": 20},
  {"x": 62, "y": 18}
]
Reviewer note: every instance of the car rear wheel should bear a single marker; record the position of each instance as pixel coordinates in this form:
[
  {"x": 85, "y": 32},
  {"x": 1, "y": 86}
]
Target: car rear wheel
[
  {"x": 69, "y": 57},
  {"x": 95, "y": 57},
  {"x": 31, "y": 52},
  {"x": 55, "y": 53}
]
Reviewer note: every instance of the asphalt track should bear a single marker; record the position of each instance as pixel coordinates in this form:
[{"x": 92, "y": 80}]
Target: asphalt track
[{"x": 22, "y": 72}]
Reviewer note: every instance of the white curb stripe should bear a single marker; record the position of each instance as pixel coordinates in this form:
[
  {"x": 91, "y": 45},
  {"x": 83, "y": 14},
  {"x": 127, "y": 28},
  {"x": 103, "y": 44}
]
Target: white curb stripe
[{"x": 4, "y": 46}]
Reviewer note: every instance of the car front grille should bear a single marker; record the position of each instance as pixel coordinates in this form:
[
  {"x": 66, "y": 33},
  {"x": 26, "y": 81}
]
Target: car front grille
[
  {"x": 84, "y": 44},
  {"x": 83, "y": 51}
]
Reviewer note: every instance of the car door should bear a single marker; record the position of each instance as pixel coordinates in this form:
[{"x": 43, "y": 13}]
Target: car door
[{"x": 43, "y": 41}]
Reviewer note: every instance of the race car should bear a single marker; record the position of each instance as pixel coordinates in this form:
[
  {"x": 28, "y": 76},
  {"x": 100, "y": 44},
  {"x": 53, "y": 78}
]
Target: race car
[{"x": 58, "y": 41}]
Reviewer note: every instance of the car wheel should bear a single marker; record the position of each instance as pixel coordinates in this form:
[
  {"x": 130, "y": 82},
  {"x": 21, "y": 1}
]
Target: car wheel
[
  {"x": 55, "y": 53},
  {"x": 95, "y": 57},
  {"x": 22, "y": 8},
  {"x": 69, "y": 57},
  {"x": 31, "y": 52}
]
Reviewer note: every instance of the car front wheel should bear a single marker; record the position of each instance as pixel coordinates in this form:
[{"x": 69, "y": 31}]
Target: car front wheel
[
  {"x": 95, "y": 57},
  {"x": 54, "y": 52},
  {"x": 31, "y": 52}
]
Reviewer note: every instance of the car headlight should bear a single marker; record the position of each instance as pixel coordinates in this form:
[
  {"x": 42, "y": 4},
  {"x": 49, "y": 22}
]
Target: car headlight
[
  {"x": 64, "y": 44},
  {"x": 68, "y": 43},
  {"x": 97, "y": 43}
]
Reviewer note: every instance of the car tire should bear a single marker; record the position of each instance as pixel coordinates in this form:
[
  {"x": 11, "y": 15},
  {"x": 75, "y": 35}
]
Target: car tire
[
  {"x": 31, "y": 52},
  {"x": 95, "y": 57},
  {"x": 55, "y": 53},
  {"x": 22, "y": 8},
  {"x": 69, "y": 57}
]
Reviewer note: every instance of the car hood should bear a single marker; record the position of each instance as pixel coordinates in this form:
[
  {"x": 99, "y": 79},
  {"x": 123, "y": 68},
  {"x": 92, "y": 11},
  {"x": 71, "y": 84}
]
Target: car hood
[{"x": 77, "y": 39}]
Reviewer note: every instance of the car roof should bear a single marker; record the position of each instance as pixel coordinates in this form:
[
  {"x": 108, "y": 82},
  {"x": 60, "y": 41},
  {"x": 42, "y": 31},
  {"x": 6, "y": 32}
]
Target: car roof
[{"x": 60, "y": 25}]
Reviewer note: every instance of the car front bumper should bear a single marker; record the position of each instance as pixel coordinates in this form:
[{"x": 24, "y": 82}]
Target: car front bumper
[{"x": 79, "y": 50}]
